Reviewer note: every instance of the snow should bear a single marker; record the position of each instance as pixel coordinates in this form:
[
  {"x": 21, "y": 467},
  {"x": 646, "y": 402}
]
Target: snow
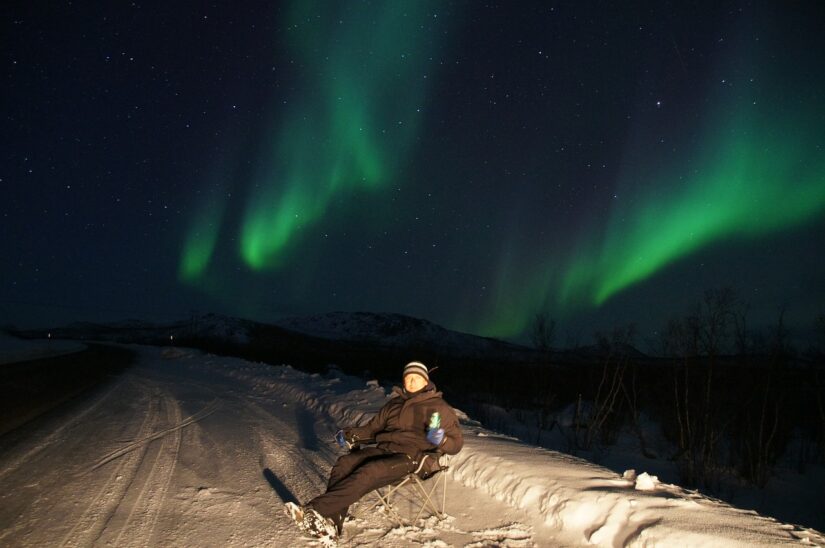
[
  {"x": 219, "y": 327},
  {"x": 14, "y": 350},
  {"x": 399, "y": 331},
  {"x": 646, "y": 482},
  {"x": 191, "y": 449}
]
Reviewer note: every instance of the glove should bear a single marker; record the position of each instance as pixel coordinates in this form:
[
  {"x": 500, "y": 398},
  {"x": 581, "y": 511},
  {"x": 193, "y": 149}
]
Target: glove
[
  {"x": 435, "y": 436},
  {"x": 341, "y": 438}
]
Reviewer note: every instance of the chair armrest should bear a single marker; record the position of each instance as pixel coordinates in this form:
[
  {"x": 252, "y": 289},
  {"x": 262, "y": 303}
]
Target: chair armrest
[
  {"x": 358, "y": 444},
  {"x": 431, "y": 464}
]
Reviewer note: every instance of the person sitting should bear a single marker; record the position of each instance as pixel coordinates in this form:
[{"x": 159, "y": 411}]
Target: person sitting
[{"x": 414, "y": 422}]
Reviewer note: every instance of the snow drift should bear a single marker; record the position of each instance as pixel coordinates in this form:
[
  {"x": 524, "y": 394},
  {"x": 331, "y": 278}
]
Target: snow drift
[{"x": 589, "y": 504}]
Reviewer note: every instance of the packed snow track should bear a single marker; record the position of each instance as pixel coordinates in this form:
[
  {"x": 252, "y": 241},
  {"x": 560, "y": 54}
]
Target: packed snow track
[{"x": 176, "y": 452}]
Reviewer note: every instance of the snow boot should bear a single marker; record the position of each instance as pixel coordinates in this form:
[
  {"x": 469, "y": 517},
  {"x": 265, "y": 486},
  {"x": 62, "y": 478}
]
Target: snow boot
[
  {"x": 321, "y": 527},
  {"x": 338, "y": 520},
  {"x": 296, "y": 513},
  {"x": 310, "y": 521}
]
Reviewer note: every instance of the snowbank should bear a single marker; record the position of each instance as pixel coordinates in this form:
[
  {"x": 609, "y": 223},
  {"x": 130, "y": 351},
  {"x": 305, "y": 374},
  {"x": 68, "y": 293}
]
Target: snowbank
[
  {"x": 589, "y": 504},
  {"x": 17, "y": 350}
]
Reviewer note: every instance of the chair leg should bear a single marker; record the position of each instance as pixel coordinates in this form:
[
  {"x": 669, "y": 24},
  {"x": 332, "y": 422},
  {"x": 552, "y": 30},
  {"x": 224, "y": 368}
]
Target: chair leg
[
  {"x": 425, "y": 499},
  {"x": 385, "y": 499},
  {"x": 443, "y": 479},
  {"x": 428, "y": 499}
]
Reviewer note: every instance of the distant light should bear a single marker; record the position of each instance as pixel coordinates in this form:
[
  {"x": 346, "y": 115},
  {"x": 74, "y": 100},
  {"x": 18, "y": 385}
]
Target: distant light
[{"x": 171, "y": 337}]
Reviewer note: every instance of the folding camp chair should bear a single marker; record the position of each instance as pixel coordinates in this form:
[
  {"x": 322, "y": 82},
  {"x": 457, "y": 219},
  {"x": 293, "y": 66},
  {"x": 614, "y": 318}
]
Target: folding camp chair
[{"x": 421, "y": 490}]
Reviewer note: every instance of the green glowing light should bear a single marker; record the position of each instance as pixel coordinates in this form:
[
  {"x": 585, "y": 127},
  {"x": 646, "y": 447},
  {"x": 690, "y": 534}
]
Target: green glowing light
[
  {"x": 757, "y": 172},
  {"x": 367, "y": 82},
  {"x": 753, "y": 181},
  {"x": 200, "y": 242}
]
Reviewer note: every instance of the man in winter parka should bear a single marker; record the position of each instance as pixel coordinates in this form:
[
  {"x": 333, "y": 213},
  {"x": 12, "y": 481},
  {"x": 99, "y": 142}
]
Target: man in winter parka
[{"x": 403, "y": 431}]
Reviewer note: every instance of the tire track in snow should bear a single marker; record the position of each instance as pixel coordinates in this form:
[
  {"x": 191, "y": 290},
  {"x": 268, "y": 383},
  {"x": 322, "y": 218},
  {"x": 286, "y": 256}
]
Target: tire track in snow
[
  {"x": 143, "y": 440},
  {"x": 283, "y": 456},
  {"x": 57, "y": 435},
  {"x": 142, "y": 520},
  {"x": 102, "y": 507}
]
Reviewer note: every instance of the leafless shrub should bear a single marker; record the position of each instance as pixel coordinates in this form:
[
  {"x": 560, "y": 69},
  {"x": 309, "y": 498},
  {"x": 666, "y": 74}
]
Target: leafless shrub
[
  {"x": 598, "y": 422},
  {"x": 700, "y": 339},
  {"x": 543, "y": 332}
]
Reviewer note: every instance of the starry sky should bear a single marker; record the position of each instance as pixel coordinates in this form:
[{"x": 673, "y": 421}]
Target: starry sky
[{"x": 466, "y": 162}]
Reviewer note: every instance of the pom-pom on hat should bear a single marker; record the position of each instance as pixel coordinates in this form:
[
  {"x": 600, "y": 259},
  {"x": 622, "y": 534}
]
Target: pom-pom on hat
[{"x": 418, "y": 368}]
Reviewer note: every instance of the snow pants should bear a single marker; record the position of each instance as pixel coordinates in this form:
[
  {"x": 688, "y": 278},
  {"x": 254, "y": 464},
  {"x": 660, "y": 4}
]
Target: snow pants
[{"x": 356, "y": 474}]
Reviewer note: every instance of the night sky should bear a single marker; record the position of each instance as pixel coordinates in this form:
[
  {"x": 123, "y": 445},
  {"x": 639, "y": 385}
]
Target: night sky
[{"x": 465, "y": 162}]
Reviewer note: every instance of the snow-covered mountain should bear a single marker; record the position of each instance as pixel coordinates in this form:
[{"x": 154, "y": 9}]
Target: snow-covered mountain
[
  {"x": 218, "y": 327},
  {"x": 397, "y": 330},
  {"x": 365, "y": 329},
  {"x": 214, "y": 327}
]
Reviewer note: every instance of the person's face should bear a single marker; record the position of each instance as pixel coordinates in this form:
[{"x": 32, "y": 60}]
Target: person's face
[{"x": 414, "y": 382}]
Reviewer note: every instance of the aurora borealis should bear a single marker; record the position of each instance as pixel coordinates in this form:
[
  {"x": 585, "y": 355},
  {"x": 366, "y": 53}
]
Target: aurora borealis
[
  {"x": 754, "y": 176},
  {"x": 741, "y": 191},
  {"x": 349, "y": 127},
  {"x": 468, "y": 164}
]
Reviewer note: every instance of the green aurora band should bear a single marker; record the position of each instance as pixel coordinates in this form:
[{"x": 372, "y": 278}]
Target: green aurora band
[
  {"x": 201, "y": 240},
  {"x": 760, "y": 179},
  {"x": 352, "y": 125},
  {"x": 354, "y": 116},
  {"x": 760, "y": 172},
  {"x": 356, "y": 109}
]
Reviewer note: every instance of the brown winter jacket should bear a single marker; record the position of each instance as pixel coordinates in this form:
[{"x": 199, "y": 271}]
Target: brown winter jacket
[{"x": 401, "y": 425}]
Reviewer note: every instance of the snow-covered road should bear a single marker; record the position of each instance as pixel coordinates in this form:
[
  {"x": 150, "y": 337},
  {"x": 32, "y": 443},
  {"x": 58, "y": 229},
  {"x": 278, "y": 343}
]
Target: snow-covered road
[
  {"x": 180, "y": 452},
  {"x": 188, "y": 449}
]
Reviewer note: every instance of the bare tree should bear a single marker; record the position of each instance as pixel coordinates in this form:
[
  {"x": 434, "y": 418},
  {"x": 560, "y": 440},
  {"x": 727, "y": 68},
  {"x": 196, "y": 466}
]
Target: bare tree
[
  {"x": 599, "y": 422},
  {"x": 819, "y": 390},
  {"x": 701, "y": 338},
  {"x": 739, "y": 316},
  {"x": 780, "y": 337},
  {"x": 715, "y": 314},
  {"x": 631, "y": 394},
  {"x": 543, "y": 332}
]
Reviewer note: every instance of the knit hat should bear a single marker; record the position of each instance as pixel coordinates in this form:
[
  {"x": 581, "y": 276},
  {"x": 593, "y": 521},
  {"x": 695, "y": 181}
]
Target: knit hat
[{"x": 418, "y": 368}]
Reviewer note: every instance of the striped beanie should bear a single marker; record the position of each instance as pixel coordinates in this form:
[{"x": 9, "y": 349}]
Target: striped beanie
[{"x": 418, "y": 368}]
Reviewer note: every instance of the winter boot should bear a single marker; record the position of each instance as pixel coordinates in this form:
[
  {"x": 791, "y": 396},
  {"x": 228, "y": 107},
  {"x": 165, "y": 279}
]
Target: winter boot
[
  {"x": 296, "y": 513},
  {"x": 338, "y": 520},
  {"x": 311, "y": 522},
  {"x": 321, "y": 527}
]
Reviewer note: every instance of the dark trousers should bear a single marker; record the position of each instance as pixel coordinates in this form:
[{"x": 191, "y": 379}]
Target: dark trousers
[{"x": 356, "y": 474}]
